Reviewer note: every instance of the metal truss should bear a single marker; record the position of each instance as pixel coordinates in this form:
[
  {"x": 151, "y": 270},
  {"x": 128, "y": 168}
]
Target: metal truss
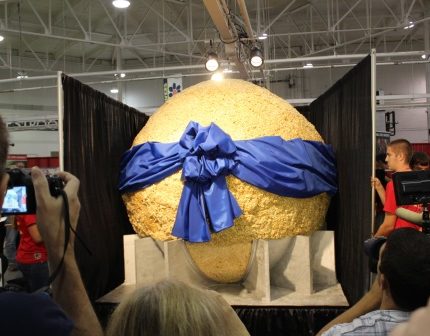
[{"x": 83, "y": 35}]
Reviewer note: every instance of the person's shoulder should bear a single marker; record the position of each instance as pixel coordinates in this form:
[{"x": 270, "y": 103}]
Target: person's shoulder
[
  {"x": 39, "y": 314},
  {"x": 374, "y": 323}
]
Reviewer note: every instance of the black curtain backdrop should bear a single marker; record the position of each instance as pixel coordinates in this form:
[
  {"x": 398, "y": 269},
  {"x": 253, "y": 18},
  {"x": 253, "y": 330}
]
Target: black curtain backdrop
[
  {"x": 343, "y": 117},
  {"x": 97, "y": 131},
  {"x": 265, "y": 321}
]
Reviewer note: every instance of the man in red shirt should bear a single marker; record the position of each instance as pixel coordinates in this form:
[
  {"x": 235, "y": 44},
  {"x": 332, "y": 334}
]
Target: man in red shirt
[
  {"x": 31, "y": 255},
  {"x": 399, "y": 153}
]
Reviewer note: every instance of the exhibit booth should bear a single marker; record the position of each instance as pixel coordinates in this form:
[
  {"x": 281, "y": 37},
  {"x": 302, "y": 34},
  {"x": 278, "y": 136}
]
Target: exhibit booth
[{"x": 95, "y": 130}]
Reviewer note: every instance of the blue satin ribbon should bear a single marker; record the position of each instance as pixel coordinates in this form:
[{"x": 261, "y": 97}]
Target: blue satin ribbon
[{"x": 293, "y": 168}]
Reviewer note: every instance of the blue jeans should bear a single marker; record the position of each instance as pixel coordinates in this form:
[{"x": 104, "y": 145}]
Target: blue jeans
[
  {"x": 36, "y": 275},
  {"x": 9, "y": 249}
]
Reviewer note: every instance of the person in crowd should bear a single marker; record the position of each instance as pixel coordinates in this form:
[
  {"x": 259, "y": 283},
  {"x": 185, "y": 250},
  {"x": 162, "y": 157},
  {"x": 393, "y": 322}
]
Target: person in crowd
[
  {"x": 402, "y": 285},
  {"x": 10, "y": 241},
  {"x": 173, "y": 308},
  {"x": 32, "y": 257},
  {"x": 37, "y": 314},
  {"x": 419, "y": 161},
  {"x": 399, "y": 153}
]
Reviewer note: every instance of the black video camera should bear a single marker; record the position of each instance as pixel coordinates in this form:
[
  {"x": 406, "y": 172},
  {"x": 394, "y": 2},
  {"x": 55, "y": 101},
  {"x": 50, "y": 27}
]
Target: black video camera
[{"x": 20, "y": 197}]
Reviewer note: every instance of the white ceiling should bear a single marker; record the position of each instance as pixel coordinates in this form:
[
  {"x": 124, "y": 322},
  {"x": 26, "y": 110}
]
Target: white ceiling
[{"x": 153, "y": 36}]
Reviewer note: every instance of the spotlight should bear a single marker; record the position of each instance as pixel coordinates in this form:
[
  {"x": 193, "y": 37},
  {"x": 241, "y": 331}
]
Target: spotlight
[
  {"x": 308, "y": 66},
  {"x": 121, "y": 3},
  {"x": 212, "y": 62},
  {"x": 114, "y": 90},
  {"x": 217, "y": 76},
  {"x": 1, "y": 38},
  {"x": 424, "y": 56},
  {"x": 256, "y": 57},
  {"x": 262, "y": 36},
  {"x": 409, "y": 25},
  {"x": 122, "y": 74},
  {"x": 21, "y": 75}
]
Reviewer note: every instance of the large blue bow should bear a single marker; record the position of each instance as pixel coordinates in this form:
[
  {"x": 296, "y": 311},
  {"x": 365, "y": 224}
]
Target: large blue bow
[{"x": 294, "y": 168}]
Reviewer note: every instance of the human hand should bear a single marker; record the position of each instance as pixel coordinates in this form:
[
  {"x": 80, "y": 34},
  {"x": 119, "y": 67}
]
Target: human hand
[
  {"x": 374, "y": 182},
  {"x": 50, "y": 210}
]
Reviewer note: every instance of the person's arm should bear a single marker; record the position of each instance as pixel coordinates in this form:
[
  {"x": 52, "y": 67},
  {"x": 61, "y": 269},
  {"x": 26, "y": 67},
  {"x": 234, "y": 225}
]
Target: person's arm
[
  {"x": 379, "y": 188},
  {"x": 369, "y": 302},
  {"x": 387, "y": 225},
  {"x": 68, "y": 289},
  {"x": 34, "y": 233}
]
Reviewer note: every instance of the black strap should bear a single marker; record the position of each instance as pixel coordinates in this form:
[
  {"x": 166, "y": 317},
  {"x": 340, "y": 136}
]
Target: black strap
[{"x": 67, "y": 229}]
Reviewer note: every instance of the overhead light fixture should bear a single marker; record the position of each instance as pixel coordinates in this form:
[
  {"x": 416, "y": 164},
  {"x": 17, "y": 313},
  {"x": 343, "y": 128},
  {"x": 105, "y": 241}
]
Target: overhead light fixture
[
  {"x": 424, "y": 56},
  {"x": 1, "y": 38},
  {"x": 217, "y": 76},
  {"x": 212, "y": 62},
  {"x": 409, "y": 25},
  {"x": 262, "y": 36},
  {"x": 308, "y": 66},
  {"x": 21, "y": 75},
  {"x": 119, "y": 75},
  {"x": 121, "y": 3},
  {"x": 256, "y": 57},
  {"x": 114, "y": 90}
]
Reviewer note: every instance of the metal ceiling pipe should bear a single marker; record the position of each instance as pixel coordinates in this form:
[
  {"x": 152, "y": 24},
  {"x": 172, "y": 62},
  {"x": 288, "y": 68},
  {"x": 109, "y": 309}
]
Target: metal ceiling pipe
[
  {"x": 275, "y": 61},
  {"x": 245, "y": 17},
  {"x": 226, "y": 31}
]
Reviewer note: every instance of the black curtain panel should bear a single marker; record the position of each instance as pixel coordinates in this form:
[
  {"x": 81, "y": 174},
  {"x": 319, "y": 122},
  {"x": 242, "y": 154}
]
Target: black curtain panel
[
  {"x": 97, "y": 131},
  {"x": 264, "y": 321},
  {"x": 343, "y": 117}
]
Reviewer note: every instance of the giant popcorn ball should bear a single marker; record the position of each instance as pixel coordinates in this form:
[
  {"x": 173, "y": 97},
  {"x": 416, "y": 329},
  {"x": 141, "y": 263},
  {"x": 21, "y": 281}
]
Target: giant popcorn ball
[{"x": 244, "y": 111}]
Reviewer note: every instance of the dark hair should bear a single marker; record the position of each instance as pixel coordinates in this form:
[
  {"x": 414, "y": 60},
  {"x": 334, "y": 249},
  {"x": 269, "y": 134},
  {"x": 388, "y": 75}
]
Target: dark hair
[
  {"x": 403, "y": 146},
  {"x": 419, "y": 158},
  {"x": 381, "y": 157},
  {"x": 4, "y": 145},
  {"x": 405, "y": 263}
]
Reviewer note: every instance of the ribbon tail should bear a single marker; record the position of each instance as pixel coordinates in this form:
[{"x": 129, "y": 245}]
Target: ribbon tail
[
  {"x": 190, "y": 223},
  {"x": 221, "y": 205}
]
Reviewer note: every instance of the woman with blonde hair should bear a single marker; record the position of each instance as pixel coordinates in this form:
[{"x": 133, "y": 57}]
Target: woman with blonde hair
[{"x": 172, "y": 308}]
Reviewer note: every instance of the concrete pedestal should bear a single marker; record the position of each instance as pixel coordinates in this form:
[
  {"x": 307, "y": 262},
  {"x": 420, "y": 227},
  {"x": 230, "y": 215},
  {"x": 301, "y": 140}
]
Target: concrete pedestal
[{"x": 297, "y": 271}]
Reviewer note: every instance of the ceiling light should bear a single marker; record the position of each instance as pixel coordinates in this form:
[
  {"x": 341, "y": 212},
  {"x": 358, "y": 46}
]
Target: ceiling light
[
  {"x": 256, "y": 57},
  {"x": 114, "y": 90},
  {"x": 424, "y": 56},
  {"x": 308, "y": 66},
  {"x": 21, "y": 75},
  {"x": 122, "y": 74},
  {"x": 409, "y": 25},
  {"x": 1, "y": 38},
  {"x": 217, "y": 76},
  {"x": 121, "y": 3},
  {"x": 262, "y": 36},
  {"x": 212, "y": 62}
]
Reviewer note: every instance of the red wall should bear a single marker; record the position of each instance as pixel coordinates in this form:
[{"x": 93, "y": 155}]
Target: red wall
[
  {"x": 421, "y": 147},
  {"x": 43, "y": 162}
]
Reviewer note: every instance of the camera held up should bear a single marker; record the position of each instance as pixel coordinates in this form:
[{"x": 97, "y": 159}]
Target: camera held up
[{"x": 20, "y": 197}]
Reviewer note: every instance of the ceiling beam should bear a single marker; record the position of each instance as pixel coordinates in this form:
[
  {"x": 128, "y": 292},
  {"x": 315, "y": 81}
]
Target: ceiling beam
[{"x": 227, "y": 33}]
